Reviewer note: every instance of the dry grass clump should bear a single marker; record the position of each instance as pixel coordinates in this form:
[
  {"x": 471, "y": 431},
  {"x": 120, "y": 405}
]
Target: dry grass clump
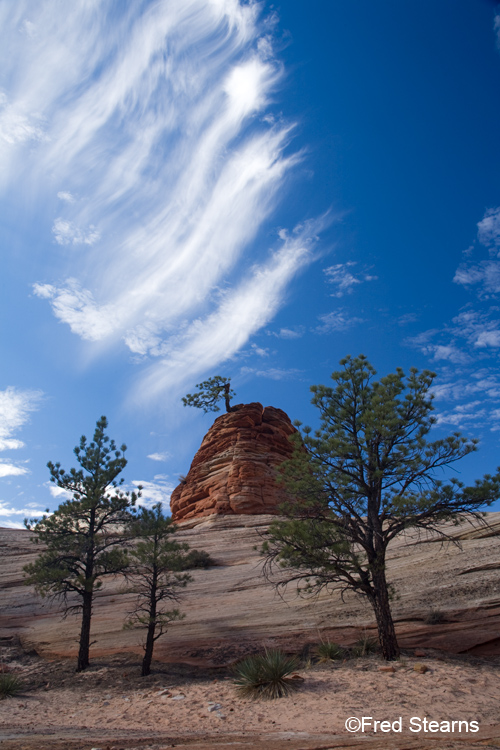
[
  {"x": 197, "y": 558},
  {"x": 364, "y": 646},
  {"x": 328, "y": 651},
  {"x": 434, "y": 617}
]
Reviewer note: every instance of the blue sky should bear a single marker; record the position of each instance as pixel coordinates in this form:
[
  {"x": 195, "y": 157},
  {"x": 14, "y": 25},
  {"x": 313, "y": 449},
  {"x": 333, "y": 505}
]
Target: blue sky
[{"x": 248, "y": 189}]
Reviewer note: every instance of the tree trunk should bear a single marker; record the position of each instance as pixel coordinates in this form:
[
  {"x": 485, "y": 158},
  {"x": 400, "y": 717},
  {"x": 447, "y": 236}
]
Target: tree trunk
[
  {"x": 227, "y": 398},
  {"x": 150, "y": 638},
  {"x": 381, "y": 606},
  {"x": 148, "y": 649},
  {"x": 83, "y": 653}
]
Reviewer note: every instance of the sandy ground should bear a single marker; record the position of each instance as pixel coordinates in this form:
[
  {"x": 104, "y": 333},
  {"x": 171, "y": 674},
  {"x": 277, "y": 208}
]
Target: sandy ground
[{"x": 110, "y": 706}]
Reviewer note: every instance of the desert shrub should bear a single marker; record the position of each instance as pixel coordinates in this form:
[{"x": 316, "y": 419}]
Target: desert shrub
[
  {"x": 434, "y": 617},
  {"x": 266, "y": 675},
  {"x": 10, "y": 685},
  {"x": 197, "y": 558},
  {"x": 364, "y": 646},
  {"x": 328, "y": 651}
]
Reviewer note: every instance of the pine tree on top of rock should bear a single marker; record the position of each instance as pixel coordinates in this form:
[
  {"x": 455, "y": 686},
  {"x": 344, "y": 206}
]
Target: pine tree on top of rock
[{"x": 211, "y": 392}]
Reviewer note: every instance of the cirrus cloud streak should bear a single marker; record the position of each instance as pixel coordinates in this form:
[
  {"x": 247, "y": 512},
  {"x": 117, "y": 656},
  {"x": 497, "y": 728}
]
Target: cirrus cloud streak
[{"x": 159, "y": 119}]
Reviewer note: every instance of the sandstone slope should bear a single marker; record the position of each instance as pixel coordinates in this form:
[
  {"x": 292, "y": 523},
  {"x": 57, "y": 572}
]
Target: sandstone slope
[{"x": 231, "y": 610}]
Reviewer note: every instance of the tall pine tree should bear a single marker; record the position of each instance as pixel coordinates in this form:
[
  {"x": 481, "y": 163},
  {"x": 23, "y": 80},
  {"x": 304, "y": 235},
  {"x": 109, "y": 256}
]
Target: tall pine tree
[
  {"x": 366, "y": 475},
  {"x": 84, "y": 537}
]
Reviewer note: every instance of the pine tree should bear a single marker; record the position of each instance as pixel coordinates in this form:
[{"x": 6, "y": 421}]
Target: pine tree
[
  {"x": 84, "y": 537},
  {"x": 367, "y": 475},
  {"x": 155, "y": 562},
  {"x": 210, "y": 393}
]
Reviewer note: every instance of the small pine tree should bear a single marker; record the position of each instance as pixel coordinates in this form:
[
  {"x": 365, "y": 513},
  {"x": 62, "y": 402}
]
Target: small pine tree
[
  {"x": 154, "y": 563},
  {"x": 210, "y": 393},
  {"x": 84, "y": 537}
]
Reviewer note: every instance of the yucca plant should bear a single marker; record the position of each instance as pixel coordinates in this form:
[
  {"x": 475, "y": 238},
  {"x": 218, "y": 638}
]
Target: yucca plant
[
  {"x": 10, "y": 685},
  {"x": 266, "y": 675},
  {"x": 328, "y": 651},
  {"x": 364, "y": 646}
]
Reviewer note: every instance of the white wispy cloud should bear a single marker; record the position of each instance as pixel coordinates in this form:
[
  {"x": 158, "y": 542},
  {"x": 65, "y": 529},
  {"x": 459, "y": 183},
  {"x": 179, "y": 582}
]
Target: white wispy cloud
[
  {"x": 259, "y": 351},
  {"x": 58, "y": 492},
  {"x": 158, "y": 116},
  {"x": 341, "y": 276},
  {"x": 485, "y": 275},
  {"x": 337, "y": 320},
  {"x": 7, "y": 524},
  {"x": 77, "y": 307},
  {"x": 16, "y": 404},
  {"x": 242, "y": 311},
  {"x": 471, "y": 341},
  {"x": 444, "y": 352},
  {"x": 488, "y": 229},
  {"x": 273, "y": 373},
  {"x": 156, "y": 491},
  {"x": 44, "y": 291},
  {"x": 488, "y": 339},
  {"x": 66, "y": 233},
  {"x": 9, "y": 514},
  {"x": 10, "y": 469},
  {"x": 8, "y": 510},
  {"x": 467, "y": 381},
  {"x": 480, "y": 329},
  {"x": 28, "y": 28},
  {"x": 464, "y": 415},
  {"x": 288, "y": 333},
  {"x": 448, "y": 352},
  {"x": 482, "y": 382},
  {"x": 16, "y": 127},
  {"x": 65, "y": 196},
  {"x": 162, "y": 456},
  {"x": 470, "y": 332},
  {"x": 153, "y": 491},
  {"x": 467, "y": 399},
  {"x": 407, "y": 318}
]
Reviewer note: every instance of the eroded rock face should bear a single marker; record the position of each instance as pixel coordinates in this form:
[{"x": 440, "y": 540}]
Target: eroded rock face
[{"x": 234, "y": 471}]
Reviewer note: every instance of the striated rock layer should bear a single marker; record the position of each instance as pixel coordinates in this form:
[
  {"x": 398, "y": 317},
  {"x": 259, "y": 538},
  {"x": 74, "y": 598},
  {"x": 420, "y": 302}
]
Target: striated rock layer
[
  {"x": 233, "y": 473},
  {"x": 232, "y": 611}
]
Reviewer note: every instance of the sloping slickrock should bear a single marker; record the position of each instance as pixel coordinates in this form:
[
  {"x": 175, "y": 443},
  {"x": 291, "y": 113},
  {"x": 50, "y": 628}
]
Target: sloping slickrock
[
  {"x": 231, "y": 610},
  {"x": 233, "y": 473}
]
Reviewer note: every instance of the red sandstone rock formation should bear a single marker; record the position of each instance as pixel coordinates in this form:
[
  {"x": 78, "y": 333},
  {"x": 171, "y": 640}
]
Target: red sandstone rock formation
[{"x": 234, "y": 470}]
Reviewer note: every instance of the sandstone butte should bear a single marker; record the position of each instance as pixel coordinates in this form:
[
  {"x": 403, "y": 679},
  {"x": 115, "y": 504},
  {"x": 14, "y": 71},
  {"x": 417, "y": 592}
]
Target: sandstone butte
[{"x": 233, "y": 473}]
